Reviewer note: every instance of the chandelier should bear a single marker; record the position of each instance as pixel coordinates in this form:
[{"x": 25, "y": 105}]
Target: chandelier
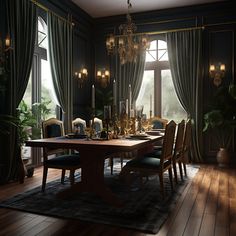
[{"x": 128, "y": 44}]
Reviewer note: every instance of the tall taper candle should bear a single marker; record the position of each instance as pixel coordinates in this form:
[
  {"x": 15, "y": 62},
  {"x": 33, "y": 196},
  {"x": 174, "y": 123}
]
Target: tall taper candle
[
  {"x": 114, "y": 93},
  {"x": 150, "y": 102},
  {"x": 93, "y": 97},
  {"x": 130, "y": 97}
]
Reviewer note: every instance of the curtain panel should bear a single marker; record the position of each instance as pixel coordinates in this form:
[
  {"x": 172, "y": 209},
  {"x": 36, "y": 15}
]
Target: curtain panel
[
  {"x": 185, "y": 51},
  {"x": 129, "y": 73},
  {"x": 60, "y": 57},
  {"x": 21, "y": 19}
]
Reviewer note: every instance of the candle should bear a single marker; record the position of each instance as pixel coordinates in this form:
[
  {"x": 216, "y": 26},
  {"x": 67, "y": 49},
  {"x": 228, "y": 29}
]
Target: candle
[
  {"x": 93, "y": 97},
  {"x": 7, "y": 41},
  {"x": 132, "y": 113},
  {"x": 127, "y": 106},
  {"x": 130, "y": 96},
  {"x": 150, "y": 102},
  {"x": 114, "y": 93}
]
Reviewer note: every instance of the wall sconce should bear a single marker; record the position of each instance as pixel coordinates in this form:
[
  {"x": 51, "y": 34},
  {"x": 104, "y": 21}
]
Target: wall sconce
[
  {"x": 103, "y": 77},
  {"x": 81, "y": 76},
  {"x": 5, "y": 47},
  {"x": 217, "y": 73}
]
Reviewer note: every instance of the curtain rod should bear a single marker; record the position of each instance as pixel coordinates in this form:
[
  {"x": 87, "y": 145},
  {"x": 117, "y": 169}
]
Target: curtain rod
[
  {"x": 163, "y": 32},
  {"x": 48, "y": 10}
]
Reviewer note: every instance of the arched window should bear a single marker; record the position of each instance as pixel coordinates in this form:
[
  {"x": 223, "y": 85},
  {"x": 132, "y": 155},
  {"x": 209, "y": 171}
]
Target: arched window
[{"x": 157, "y": 92}]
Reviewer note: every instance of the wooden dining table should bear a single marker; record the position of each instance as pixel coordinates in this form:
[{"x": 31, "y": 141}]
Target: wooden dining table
[{"x": 92, "y": 154}]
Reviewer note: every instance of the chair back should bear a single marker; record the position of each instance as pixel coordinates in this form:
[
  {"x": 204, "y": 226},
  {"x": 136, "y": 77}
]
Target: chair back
[
  {"x": 97, "y": 125},
  {"x": 158, "y": 123},
  {"x": 179, "y": 138},
  {"x": 187, "y": 139},
  {"x": 52, "y": 128},
  {"x": 78, "y": 126},
  {"x": 168, "y": 142}
]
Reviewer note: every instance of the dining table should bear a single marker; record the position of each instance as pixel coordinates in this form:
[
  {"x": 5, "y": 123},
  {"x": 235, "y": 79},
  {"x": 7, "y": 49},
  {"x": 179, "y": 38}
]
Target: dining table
[{"x": 93, "y": 153}]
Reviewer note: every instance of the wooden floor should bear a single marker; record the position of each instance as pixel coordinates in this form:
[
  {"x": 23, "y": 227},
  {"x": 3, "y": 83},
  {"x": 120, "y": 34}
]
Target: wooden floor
[{"x": 207, "y": 207}]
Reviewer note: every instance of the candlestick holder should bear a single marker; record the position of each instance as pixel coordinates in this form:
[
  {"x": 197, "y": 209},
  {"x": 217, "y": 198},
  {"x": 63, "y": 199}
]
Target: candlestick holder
[
  {"x": 92, "y": 131},
  {"x": 123, "y": 123},
  {"x": 132, "y": 125},
  {"x": 115, "y": 123}
]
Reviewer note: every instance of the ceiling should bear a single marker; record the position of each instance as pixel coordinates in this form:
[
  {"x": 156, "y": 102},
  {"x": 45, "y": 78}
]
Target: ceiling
[{"x": 102, "y": 8}]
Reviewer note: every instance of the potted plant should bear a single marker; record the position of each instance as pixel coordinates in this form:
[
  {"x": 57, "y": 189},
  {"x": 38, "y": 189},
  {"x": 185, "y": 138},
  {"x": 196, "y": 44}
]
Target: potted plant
[{"x": 221, "y": 118}]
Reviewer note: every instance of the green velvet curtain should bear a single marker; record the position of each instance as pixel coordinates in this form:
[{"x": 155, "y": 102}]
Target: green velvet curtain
[
  {"x": 60, "y": 56},
  {"x": 129, "y": 73},
  {"x": 185, "y": 48},
  {"x": 21, "y": 19}
]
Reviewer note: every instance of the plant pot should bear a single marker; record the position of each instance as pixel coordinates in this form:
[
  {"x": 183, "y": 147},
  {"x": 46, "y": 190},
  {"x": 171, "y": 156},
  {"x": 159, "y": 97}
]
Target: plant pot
[{"x": 223, "y": 157}]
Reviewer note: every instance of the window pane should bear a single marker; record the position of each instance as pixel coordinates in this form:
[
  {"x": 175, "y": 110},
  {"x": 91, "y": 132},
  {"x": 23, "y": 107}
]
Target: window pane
[
  {"x": 170, "y": 107},
  {"x": 42, "y": 33},
  {"x": 28, "y": 92},
  {"x": 162, "y": 51},
  {"x": 151, "y": 56},
  {"x": 147, "y": 89},
  {"x": 47, "y": 88}
]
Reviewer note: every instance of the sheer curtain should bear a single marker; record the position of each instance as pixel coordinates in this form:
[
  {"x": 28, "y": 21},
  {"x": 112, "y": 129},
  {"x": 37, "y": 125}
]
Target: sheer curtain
[
  {"x": 60, "y": 56},
  {"x": 21, "y": 19},
  {"x": 184, "y": 48}
]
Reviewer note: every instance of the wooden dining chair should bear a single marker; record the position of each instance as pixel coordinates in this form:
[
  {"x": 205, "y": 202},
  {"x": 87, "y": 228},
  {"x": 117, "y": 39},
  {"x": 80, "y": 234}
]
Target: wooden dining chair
[
  {"x": 178, "y": 147},
  {"x": 158, "y": 122},
  {"x": 78, "y": 126},
  {"x": 52, "y": 128},
  {"x": 186, "y": 145},
  {"x": 158, "y": 164}
]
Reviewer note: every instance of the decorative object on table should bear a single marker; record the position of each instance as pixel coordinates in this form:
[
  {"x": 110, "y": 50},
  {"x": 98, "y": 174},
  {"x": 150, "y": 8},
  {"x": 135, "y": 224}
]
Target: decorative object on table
[
  {"x": 139, "y": 112},
  {"x": 217, "y": 73},
  {"x": 81, "y": 76},
  {"x": 144, "y": 209},
  {"x": 107, "y": 118},
  {"x": 123, "y": 117},
  {"x": 127, "y": 44},
  {"x": 221, "y": 120}
]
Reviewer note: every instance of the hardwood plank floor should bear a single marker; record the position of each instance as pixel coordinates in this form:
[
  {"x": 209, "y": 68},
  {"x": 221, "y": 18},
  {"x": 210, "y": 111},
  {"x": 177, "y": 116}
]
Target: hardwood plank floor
[{"x": 206, "y": 207}]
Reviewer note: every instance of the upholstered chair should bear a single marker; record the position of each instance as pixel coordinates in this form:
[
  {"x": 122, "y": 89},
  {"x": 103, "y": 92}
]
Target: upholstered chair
[
  {"x": 158, "y": 164},
  {"x": 57, "y": 158},
  {"x": 78, "y": 126}
]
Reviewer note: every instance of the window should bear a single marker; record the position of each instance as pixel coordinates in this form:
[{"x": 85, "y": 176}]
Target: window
[{"x": 157, "y": 92}]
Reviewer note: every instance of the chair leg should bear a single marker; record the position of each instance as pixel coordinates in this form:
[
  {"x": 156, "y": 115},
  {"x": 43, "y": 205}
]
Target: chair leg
[
  {"x": 121, "y": 162},
  {"x": 180, "y": 170},
  {"x": 185, "y": 170},
  {"x": 111, "y": 164},
  {"x": 162, "y": 185},
  {"x": 63, "y": 175},
  {"x": 45, "y": 173},
  {"x": 175, "y": 171},
  {"x": 72, "y": 177},
  {"x": 171, "y": 178}
]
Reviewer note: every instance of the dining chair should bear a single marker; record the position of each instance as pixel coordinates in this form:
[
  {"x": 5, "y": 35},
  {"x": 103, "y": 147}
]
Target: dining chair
[
  {"x": 178, "y": 147},
  {"x": 59, "y": 159},
  {"x": 78, "y": 126},
  {"x": 152, "y": 165},
  {"x": 186, "y": 145},
  {"x": 97, "y": 124},
  {"x": 158, "y": 122}
]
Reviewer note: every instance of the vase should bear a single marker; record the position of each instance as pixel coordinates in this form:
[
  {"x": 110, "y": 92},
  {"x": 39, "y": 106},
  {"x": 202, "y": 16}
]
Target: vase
[{"x": 223, "y": 157}]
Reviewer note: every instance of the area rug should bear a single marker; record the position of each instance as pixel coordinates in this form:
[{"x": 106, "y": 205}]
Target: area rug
[{"x": 143, "y": 210}]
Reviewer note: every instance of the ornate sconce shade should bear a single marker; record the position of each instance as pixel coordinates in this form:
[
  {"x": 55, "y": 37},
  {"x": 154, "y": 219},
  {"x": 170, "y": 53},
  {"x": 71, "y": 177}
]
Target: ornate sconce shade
[
  {"x": 81, "y": 76},
  {"x": 127, "y": 44},
  {"x": 103, "y": 77},
  {"x": 217, "y": 73}
]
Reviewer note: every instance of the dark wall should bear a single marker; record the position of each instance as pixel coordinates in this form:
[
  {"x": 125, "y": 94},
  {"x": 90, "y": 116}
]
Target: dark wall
[{"x": 219, "y": 22}]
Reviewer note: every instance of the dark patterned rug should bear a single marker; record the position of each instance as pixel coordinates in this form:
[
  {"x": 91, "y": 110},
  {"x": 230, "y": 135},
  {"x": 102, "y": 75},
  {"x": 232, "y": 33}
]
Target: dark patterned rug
[{"x": 144, "y": 208}]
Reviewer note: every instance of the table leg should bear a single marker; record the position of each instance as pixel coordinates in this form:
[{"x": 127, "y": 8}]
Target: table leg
[{"x": 92, "y": 178}]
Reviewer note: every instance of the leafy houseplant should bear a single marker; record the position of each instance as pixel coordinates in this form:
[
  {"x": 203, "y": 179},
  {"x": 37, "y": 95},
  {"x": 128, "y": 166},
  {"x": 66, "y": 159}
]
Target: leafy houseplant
[{"x": 221, "y": 117}]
